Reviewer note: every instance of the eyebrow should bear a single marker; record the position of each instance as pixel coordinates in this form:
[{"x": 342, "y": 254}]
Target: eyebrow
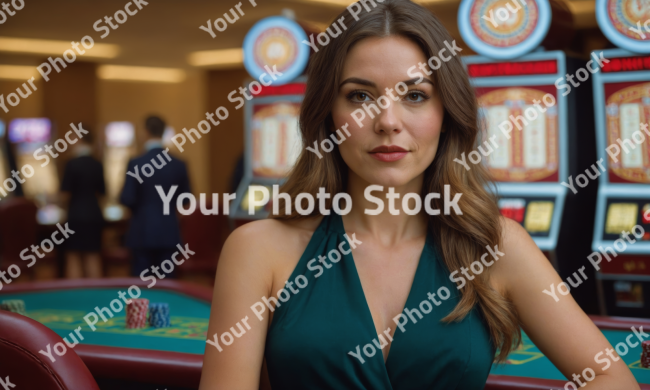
[{"x": 356, "y": 80}]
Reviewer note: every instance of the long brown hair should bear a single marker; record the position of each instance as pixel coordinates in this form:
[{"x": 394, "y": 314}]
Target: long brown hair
[{"x": 461, "y": 239}]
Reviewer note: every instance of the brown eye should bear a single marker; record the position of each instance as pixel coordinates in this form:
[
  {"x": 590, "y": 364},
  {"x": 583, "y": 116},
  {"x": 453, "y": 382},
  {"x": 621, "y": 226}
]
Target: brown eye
[
  {"x": 358, "y": 96},
  {"x": 416, "y": 97},
  {"x": 361, "y": 96}
]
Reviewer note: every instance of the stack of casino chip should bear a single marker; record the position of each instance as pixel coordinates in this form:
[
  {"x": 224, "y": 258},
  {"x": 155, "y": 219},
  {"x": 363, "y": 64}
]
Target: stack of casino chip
[
  {"x": 14, "y": 305},
  {"x": 136, "y": 313},
  {"x": 159, "y": 315},
  {"x": 645, "y": 355}
]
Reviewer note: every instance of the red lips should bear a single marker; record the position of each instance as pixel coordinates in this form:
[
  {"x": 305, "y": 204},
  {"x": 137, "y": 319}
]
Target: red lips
[{"x": 388, "y": 153}]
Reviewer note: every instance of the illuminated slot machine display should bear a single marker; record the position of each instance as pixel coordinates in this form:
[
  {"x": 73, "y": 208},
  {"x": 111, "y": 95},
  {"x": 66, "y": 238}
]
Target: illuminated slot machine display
[
  {"x": 272, "y": 137},
  {"x": 527, "y": 163},
  {"x": 119, "y": 148},
  {"x": 530, "y": 127},
  {"x": 30, "y": 136},
  {"x": 622, "y": 113},
  {"x": 273, "y": 146}
]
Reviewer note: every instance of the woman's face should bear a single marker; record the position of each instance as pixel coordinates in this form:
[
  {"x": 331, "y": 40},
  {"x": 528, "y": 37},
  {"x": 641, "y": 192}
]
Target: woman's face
[{"x": 398, "y": 144}]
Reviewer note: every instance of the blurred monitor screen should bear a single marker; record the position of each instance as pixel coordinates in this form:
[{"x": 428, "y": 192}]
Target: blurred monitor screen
[
  {"x": 2, "y": 129},
  {"x": 119, "y": 134},
  {"x": 50, "y": 215},
  {"x": 29, "y": 130},
  {"x": 114, "y": 212}
]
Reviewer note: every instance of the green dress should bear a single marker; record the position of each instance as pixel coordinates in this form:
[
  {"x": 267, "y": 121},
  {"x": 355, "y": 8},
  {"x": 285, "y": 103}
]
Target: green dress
[{"x": 323, "y": 337}]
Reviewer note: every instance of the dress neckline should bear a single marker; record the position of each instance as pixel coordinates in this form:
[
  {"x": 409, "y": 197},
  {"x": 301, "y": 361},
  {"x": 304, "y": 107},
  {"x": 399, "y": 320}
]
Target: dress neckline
[{"x": 366, "y": 312}]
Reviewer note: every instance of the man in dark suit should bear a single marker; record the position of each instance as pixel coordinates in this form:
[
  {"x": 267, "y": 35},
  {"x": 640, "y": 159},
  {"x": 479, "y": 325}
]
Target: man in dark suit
[{"x": 153, "y": 236}]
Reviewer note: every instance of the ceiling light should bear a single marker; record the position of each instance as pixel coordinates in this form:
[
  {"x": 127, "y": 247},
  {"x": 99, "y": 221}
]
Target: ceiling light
[
  {"x": 224, "y": 58},
  {"x": 140, "y": 73},
  {"x": 42, "y": 46}
]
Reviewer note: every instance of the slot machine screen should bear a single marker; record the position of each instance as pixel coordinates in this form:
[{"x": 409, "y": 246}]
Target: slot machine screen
[
  {"x": 276, "y": 138},
  {"x": 32, "y": 130},
  {"x": 623, "y": 214},
  {"x": 119, "y": 134},
  {"x": 627, "y": 106},
  {"x": 29, "y": 134},
  {"x": 531, "y": 154}
]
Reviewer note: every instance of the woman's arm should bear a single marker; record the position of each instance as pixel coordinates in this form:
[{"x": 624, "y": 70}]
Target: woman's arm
[
  {"x": 244, "y": 276},
  {"x": 560, "y": 329}
]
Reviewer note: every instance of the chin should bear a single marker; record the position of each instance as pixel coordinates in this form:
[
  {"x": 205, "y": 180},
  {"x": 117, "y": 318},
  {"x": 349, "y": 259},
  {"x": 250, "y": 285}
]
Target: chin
[{"x": 389, "y": 178}]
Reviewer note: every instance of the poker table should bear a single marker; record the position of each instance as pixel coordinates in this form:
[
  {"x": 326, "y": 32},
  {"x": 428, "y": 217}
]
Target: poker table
[
  {"x": 528, "y": 368},
  {"x": 166, "y": 356},
  {"x": 173, "y": 356}
]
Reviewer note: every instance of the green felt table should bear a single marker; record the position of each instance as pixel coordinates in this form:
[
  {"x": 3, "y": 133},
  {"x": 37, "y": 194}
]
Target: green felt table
[
  {"x": 168, "y": 356},
  {"x": 528, "y": 362},
  {"x": 174, "y": 355},
  {"x": 64, "y": 310}
]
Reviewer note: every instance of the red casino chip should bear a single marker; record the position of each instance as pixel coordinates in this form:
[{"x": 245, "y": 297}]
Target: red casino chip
[
  {"x": 645, "y": 355},
  {"x": 136, "y": 313}
]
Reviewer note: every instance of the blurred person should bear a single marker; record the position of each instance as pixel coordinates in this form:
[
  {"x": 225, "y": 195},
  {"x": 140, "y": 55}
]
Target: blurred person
[
  {"x": 152, "y": 236},
  {"x": 359, "y": 301},
  {"x": 82, "y": 186}
]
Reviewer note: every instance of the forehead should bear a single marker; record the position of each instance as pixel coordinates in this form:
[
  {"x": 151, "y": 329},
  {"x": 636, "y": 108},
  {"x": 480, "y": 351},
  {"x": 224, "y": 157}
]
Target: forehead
[{"x": 382, "y": 58}]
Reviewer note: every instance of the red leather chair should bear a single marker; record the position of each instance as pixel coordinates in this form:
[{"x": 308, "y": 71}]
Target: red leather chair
[
  {"x": 18, "y": 230},
  {"x": 20, "y": 340},
  {"x": 205, "y": 235}
]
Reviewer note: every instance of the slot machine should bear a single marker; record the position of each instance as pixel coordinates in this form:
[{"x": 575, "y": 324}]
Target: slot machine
[
  {"x": 119, "y": 147},
  {"x": 515, "y": 84},
  {"x": 28, "y": 135},
  {"x": 622, "y": 111},
  {"x": 272, "y": 136}
]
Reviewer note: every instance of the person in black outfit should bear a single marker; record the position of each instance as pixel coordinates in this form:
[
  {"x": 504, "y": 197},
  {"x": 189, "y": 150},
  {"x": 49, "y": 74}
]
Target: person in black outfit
[
  {"x": 153, "y": 236},
  {"x": 83, "y": 183}
]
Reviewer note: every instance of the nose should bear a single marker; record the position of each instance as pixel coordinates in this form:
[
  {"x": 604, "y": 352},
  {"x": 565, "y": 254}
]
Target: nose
[{"x": 388, "y": 120}]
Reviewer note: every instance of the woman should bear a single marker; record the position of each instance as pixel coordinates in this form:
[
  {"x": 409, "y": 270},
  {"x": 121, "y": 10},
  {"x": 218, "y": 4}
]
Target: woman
[
  {"x": 83, "y": 181},
  {"x": 390, "y": 291}
]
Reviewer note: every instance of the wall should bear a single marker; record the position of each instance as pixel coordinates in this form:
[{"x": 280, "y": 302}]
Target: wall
[
  {"x": 69, "y": 96},
  {"x": 180, "y": 104},
  {"x": 227, "y": 145},
  {"x": 32, "y": 106}
]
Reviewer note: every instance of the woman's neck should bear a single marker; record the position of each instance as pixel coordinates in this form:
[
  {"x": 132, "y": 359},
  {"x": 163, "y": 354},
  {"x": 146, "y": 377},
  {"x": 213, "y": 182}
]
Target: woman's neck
[{"x": 391, "y": 224}]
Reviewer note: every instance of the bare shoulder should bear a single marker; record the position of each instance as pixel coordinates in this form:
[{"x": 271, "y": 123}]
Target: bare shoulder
[
  {"x": 513, "y": 234},
  {"x": 267, "y": 234},
  {"x": 263, "y": 244},
  {"x": 520, "y": 258}
]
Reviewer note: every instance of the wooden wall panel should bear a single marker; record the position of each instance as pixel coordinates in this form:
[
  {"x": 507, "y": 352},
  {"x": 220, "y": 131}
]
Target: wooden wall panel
[{"x": 227, "y": 143}]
